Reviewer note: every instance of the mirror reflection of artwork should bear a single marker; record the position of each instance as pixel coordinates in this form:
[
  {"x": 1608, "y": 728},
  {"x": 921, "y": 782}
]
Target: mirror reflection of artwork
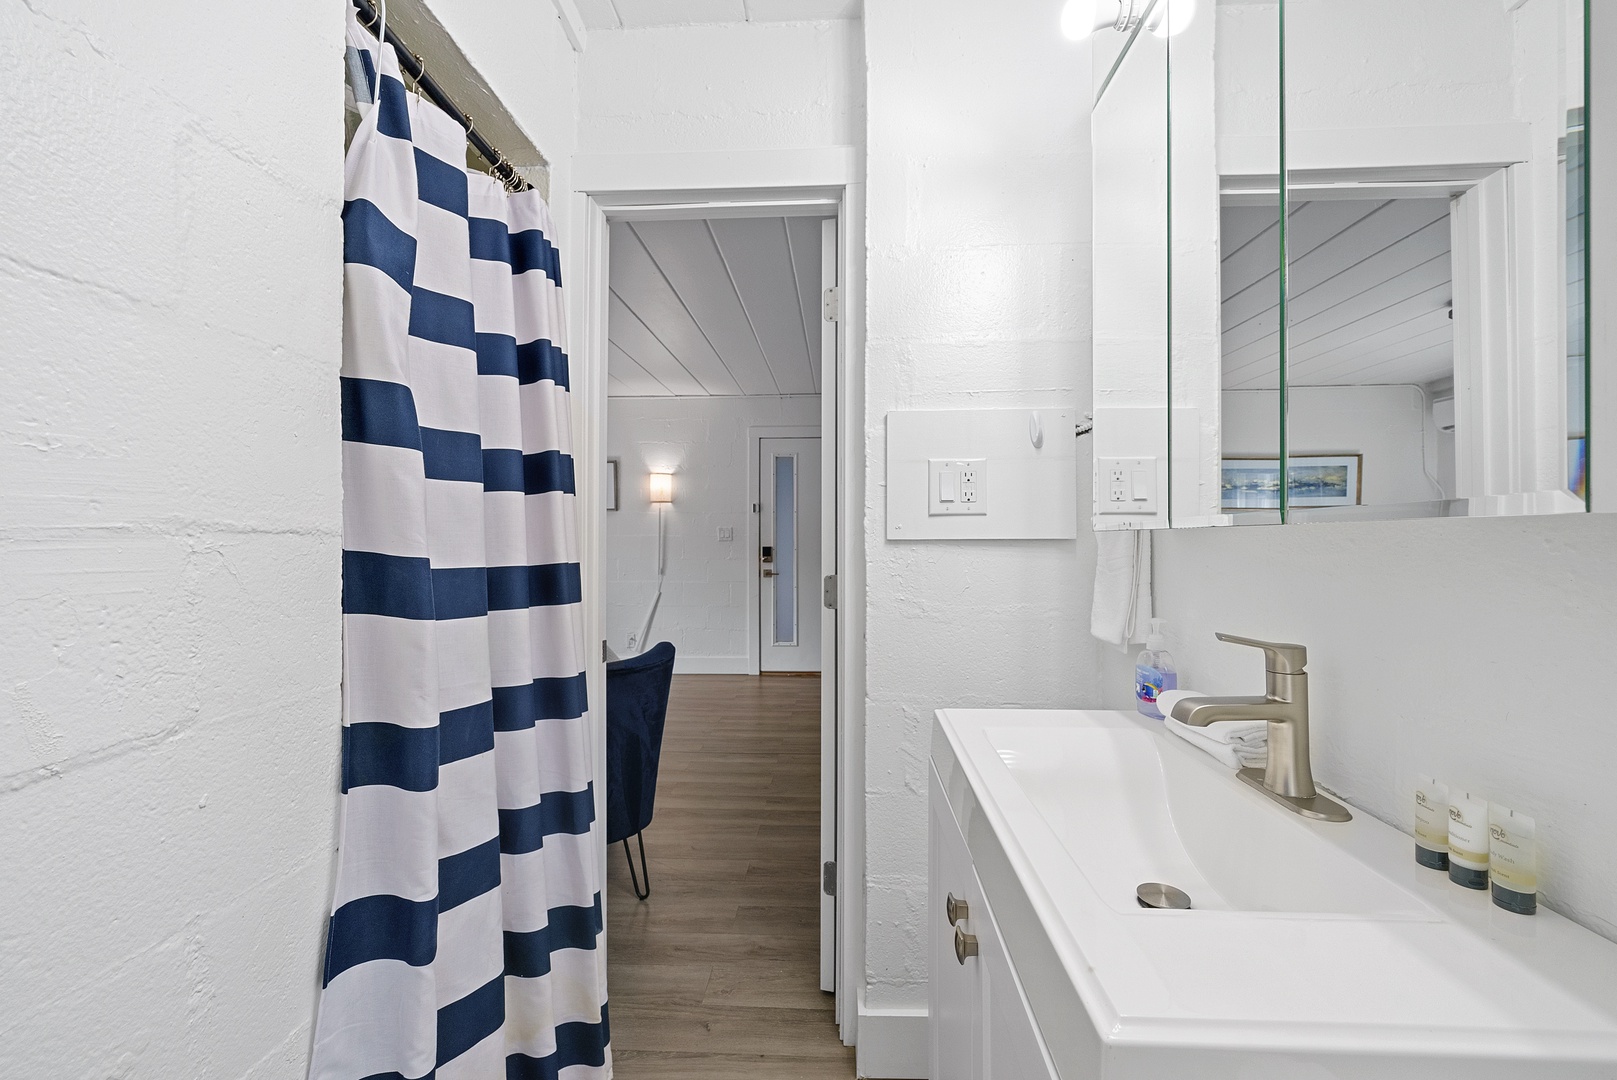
[{"x": 1254, "y": 483}]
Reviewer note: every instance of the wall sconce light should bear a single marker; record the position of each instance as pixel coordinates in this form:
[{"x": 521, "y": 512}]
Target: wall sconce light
[{"x": 661, "y": 487}]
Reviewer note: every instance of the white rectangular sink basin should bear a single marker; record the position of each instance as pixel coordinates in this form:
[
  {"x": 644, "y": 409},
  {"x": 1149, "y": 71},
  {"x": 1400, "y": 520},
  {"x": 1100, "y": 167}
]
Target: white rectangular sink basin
[
  {"x": 1129, "y": 814},
  {"x": 1312, "y": 950}
]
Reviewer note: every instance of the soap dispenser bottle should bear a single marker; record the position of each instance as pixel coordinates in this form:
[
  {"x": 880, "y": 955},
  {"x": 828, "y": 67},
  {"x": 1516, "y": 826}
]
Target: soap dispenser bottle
[{"x": 1153, "y": 672}]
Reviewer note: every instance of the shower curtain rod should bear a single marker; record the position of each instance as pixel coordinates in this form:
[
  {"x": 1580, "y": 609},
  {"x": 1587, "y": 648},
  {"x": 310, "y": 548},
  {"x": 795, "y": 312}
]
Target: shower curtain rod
[{"x": 502, "y": 169}]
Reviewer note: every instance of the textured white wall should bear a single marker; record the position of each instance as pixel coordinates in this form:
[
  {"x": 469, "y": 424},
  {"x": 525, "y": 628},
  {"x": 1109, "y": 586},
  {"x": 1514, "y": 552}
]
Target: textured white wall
[
  {"x": 978, "y": 286},
  {"x": 1389, "y": 426},
  {"x": 1468, "y": 649},
  {"x": 704, "y": 442},
  {"x": 170, "y": 315},
  {"x": 730, "y": 86}
]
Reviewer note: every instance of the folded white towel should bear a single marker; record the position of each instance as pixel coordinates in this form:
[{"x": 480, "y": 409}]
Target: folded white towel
[{"x": 1239, "y": 744}]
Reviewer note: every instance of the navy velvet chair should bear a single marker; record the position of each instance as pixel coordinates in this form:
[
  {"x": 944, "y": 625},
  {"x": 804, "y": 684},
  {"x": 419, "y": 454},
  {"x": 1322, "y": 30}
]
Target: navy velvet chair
[{"x": 636, "y": 710}]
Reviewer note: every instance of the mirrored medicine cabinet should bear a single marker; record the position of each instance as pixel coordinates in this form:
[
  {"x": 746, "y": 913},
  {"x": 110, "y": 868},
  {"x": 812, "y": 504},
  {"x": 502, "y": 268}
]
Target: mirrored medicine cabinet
[{"x": 1340, "y": 261}]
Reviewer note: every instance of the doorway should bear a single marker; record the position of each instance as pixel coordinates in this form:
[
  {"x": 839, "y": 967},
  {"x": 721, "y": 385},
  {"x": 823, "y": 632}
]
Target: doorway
[{"x": 821, "y": 463}]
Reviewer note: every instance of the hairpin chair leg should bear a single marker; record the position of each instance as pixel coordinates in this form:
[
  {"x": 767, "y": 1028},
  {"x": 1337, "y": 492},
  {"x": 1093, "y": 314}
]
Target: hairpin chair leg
[{"x": 645, "y": 870}]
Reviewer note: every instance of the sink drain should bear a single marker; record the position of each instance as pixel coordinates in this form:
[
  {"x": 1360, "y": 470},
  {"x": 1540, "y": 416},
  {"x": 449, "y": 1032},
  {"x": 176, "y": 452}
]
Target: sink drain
[{"x": 1154, "y": 894}]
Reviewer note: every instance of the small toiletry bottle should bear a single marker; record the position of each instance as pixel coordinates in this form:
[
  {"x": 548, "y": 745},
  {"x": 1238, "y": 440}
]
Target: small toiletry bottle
[
  {"x": 1153, "y": 672},
  {"x": 1513, "y": 860},
  {"x": 1432, "y": 823},
  {"x": 1468, "y": 841}
]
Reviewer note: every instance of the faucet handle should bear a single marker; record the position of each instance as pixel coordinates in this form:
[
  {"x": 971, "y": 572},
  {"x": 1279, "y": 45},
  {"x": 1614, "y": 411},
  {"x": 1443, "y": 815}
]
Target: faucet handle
[{"x": 1278, "y": 656}]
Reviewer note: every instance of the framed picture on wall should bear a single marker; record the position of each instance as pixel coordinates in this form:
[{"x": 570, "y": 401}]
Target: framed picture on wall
[
  {"x": 1315, "y": 480},
  {"x": 610, "y": 495}
]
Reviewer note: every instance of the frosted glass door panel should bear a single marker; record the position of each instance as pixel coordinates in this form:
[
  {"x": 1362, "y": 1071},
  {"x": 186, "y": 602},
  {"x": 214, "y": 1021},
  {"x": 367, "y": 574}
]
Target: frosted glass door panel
[
  {"x": 789, "y": 554},
  {"x": 785, "y": 579}
]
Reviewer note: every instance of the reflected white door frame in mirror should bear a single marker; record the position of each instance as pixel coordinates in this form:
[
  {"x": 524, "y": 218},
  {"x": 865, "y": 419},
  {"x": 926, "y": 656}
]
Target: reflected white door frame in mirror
[
  {"x": 1429, "y": 319},
  {"x": 1129, "y": 292}
]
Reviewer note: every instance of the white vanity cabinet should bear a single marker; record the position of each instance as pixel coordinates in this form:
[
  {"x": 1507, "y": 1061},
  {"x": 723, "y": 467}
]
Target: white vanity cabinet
[{"x": 981, "y": 1026}]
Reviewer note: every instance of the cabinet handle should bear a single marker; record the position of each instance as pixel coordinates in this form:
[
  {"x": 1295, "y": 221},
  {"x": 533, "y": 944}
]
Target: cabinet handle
[
  {"x": 957, "y": 909},
  {"x": 964, "y": 945}
]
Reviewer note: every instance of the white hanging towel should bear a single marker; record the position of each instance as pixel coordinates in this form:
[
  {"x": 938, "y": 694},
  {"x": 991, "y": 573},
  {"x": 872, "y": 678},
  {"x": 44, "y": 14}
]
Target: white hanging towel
[{"x": 1122, "y": 604}]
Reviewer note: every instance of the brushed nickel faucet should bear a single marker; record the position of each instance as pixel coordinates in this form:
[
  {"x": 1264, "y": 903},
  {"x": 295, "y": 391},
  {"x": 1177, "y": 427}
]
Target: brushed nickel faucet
[{"x": 1288, "y": 778}]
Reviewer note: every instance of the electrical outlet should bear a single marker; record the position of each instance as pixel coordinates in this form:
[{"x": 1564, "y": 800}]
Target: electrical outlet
[
  {"x": 1127, "y": 485},
  {"x": 957, "y": 487}
]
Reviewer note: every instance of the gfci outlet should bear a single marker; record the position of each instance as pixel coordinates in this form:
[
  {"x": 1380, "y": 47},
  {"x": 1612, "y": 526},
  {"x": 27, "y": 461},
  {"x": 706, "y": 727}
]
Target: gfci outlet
[
  {"x": 1126, "y": 485},
  {"x": 957, "y": 487}
]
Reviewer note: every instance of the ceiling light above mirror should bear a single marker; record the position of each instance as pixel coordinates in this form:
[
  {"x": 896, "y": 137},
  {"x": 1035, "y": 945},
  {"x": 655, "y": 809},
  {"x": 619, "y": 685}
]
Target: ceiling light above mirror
[{"x": 1164, "y": 18}]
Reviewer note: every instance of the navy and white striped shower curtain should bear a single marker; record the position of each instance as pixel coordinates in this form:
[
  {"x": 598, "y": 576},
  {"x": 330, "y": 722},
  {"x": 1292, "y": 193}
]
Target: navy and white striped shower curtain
[{"x": 466, "y": 928}]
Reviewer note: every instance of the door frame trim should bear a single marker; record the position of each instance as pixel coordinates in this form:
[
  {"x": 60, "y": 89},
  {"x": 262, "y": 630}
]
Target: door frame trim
[
  {"x": 755, "y": 528},
  {"x": 621, "y": 184}
]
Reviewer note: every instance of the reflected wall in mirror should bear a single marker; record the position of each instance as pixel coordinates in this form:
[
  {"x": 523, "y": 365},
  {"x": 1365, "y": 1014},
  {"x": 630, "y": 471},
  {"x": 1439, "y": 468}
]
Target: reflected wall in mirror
[
  {"x": 1226, "y": 261},
  {"x": 1369, "y": 352},
  {"x": 1435, "y": 244},
  {"x": 1129, "y": 133},
  {"x": 1376, "y": 248}
]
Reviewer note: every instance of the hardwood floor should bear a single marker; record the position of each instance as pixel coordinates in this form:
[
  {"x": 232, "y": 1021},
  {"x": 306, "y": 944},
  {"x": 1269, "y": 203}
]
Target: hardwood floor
[{"x": 717, "y": 974}]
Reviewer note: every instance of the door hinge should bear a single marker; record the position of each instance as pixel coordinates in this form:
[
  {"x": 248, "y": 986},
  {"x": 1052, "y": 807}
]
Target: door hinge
[
  {"x": 828, "y": 879},
  {"x": 830, "y": 591},
  {"x": 831, "y": 304}
]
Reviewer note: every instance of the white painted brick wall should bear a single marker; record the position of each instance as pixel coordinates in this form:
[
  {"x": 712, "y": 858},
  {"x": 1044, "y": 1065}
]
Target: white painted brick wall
[
  {"x": 978, "y": 264},
  {"x": 170, "y": 518},
  {"x": 747, "y": 86},
  {"x": 170, "y": 318}
]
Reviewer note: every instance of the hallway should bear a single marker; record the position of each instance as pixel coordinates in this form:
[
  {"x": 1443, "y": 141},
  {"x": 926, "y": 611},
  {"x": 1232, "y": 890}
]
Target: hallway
[{"x": 717, "y": 974}]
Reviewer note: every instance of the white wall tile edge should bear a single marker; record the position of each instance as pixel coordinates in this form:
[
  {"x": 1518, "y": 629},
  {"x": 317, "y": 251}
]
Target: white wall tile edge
[{"x": 892, "y": 1044}]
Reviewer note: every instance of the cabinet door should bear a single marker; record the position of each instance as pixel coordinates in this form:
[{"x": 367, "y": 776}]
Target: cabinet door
[
  {"x": 981, "y": 1026},
  {"x": 955, "y": 989},
  {"x": 1012, "y": 1049}
]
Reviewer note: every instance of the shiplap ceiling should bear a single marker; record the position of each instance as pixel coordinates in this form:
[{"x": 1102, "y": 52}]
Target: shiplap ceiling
[
  {"x": 1371, "y": 289},
  {"x": 620, "y": 14},
  {"x": 715, "y": 308}
]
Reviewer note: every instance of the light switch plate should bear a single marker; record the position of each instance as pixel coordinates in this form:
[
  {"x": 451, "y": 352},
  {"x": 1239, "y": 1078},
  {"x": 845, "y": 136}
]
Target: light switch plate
[
  {"x": 1034, "y": 494},
  {"x": 1126, "y": 485},
  {"x": 957, "y": 487},
  {"x": 727, "y": 533}
]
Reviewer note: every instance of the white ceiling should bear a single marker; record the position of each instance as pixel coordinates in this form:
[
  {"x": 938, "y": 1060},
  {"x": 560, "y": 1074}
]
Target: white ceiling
[
  {"x": 715, "y": 308},
  {"x": 1371, "y": 289},
  {"x": 616, "y": 14}
]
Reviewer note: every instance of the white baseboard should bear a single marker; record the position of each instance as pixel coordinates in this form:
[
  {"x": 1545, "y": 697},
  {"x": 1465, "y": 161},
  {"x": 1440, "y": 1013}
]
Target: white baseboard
[
  {"x": 892, "y": 1044},
  {"x": 711, "y": 665}
]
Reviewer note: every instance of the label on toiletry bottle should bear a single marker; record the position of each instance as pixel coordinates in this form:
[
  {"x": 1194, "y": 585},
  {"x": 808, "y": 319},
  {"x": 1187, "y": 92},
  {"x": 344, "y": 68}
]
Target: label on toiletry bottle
[
  {"x": 1513, "y": 860},
  {"x": 1468, "y": 842},
  {"x": 1432, "y": 823},
  {"x": 1149, "y": 683}
]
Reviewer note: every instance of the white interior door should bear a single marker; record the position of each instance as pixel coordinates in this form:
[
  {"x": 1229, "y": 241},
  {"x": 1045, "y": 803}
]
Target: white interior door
[
  {"x": 789, "y": 554},
  {"x": 830, "y": 389}
]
